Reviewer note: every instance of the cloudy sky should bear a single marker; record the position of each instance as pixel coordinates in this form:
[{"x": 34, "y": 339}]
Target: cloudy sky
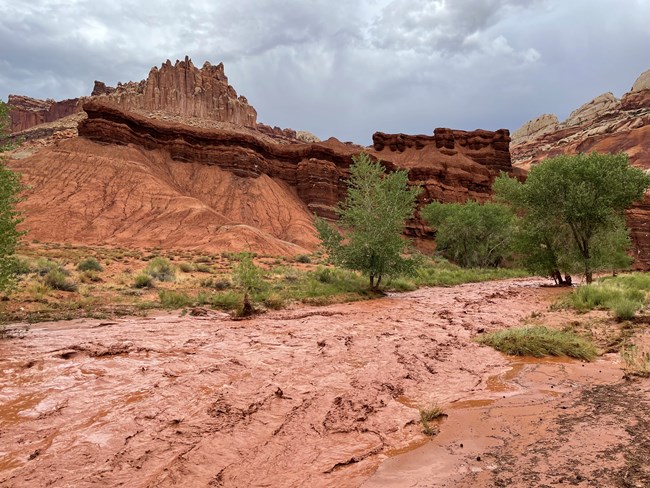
[{"x": 342, "y": 68}]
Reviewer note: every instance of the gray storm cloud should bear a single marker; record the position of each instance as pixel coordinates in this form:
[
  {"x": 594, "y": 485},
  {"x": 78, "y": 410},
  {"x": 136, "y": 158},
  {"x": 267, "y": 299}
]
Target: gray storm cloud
[{"x": 342, "y": 69}]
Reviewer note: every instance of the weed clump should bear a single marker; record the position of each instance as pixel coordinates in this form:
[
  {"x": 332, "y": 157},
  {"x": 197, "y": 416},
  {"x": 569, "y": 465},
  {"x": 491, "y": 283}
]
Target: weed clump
[
  {"x": 539, "y": 341},
  {"x": 636, "y": 360},
  {"x": 174, "y": 299},
  {"x": 161, "y": 269},
  {"x": 58, "y": 280},
  {"x": 90, "y": 264},
  {"x": 143, "y": 280},
  {"x": 427, "y": 415}
]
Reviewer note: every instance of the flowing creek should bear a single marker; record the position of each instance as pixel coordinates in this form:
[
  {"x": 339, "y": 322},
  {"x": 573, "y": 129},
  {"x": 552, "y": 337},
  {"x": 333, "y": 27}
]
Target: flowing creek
[{"x": 312, "y": 396}]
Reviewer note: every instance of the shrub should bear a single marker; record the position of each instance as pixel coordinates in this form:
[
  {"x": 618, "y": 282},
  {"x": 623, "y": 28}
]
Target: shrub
[
  {"x": 44, "y": 266},
  {"x": 625, "y": 309},
  {"x": 90, "y": 264},
  {"x": 229, "y": 300},
  {"x": 22, "y": 265},
  {"x": 58, "y": 280},
  {"x": 185, "y": 267},
  {"x": 90, "y": 277},
  {"x": 143, "y": 280},
  {"x": 303, "y": 258},
  {"x": 539, "y": 341},
  {"x": 202, "y": 268},
  {"x": 174, "y": 299},
  {"x": 161, "y": 269}
]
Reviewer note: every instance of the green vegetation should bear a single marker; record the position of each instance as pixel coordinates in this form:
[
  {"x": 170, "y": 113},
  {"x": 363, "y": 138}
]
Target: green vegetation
[
  {"x": 174, "y": 299},
  {"x": 444, "y": 273},
  {"x": 90, "y": 264},
  {"x": 472, "y": 234},
  {"x": 373, "y": 214},
  {"x": 57, "y": 279},
  {"x": 143, "y": 280},
  {"x": 572, "y": 212},
  {"x": 248, "y": 278},
  {"x": 624, "y": 295},
  {"x": 539, "y": 341},
  {"x": 10, "y": 188},
  {"x": 303, "y": 258},
  {"x": 161, "y": 269}
]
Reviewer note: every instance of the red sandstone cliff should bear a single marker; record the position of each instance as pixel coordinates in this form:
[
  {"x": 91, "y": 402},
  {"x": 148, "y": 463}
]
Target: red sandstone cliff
[
  {"x": 28, "y": 112},
  {"x": 179, "y": 89},
  {"x": 605, "y": 124},
  {"x": 133, "y": 180}
]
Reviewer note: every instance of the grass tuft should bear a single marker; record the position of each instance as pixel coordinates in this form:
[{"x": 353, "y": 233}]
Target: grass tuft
[
  {"x": 539, "y": 341},
  {"x": 90, "y": 264},
  {"x": 174, "y": 299},
  {"x": 427, "y": 415},
  {"x": 637, "y": 360}
]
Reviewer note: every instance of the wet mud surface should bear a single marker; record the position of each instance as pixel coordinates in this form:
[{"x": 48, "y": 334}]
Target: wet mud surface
[{"x": 325, "y": 396}]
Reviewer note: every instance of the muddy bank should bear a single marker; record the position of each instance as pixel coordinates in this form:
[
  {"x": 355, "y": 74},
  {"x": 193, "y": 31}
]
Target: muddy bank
[{"x": 307, "y": 397}]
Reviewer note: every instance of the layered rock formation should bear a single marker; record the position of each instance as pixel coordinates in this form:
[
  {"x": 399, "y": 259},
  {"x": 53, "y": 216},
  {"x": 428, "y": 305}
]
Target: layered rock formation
[
  {"x": 179, "y": 89},
  {"x": 28, "y": 112},
  {"x": 605, "y": 124},
  {"x": 135, "y": 181},
  {"x": 183, "y": 89}
]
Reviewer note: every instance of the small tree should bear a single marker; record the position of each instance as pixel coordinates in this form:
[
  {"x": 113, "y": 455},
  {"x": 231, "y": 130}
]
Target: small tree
[
  {"x": 248, "y": 277},
  {"x": 10, "y": 187},
  {"x": 373, "y": 214},
  {"x": 572, "y": 209},
  {"x": 471, "y": 234}
]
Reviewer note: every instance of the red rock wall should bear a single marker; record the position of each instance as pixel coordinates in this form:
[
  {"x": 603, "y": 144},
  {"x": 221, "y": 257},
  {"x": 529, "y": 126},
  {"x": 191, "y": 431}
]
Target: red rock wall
[
  {"x": 451, "y": 166},
  {"x": 27, "y": 112},
  {"x": 183, "y": 89}
]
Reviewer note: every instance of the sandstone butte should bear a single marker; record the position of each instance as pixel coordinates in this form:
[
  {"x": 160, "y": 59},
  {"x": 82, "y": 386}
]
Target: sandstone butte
[
  {"x": 178, "y": 160},
  {"x": 605, "y": 124}
]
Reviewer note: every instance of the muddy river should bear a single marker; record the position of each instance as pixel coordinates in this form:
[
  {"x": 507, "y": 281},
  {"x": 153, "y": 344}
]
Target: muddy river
[{"x": 314, "y": 397}]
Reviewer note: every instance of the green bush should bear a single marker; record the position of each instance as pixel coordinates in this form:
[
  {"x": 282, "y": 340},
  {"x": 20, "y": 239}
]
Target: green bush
[
  {"x": 185, "y": 267},
  {"x": 303, "y": 258},
  {"x": 174, "y": 299},
  {"x": 228, "y": 300},
  {"x": 58, "y": 280},
  {"x": 143, "y": 280},
  {"x": 90, "y": 264},
  {"x": 161, "y": 269},
  {"x": 625, "y": 309},
  {"x": 539, "y": 341},
  {"x": 43, "y": 266}
]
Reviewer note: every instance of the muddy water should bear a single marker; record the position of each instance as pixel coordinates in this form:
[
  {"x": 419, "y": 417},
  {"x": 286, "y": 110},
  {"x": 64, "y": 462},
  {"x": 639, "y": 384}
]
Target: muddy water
[{"x": 305, "y": 397}]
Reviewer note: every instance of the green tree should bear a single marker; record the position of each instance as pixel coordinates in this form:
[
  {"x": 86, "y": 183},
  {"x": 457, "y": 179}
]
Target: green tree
[
  {"x": 471, "y": 234},
  {"x": 249, "y": 278},
  {"x": 373, "y": 215},
  {"x": 10, "y": 187},
  {"x": 572, "y": 211}
]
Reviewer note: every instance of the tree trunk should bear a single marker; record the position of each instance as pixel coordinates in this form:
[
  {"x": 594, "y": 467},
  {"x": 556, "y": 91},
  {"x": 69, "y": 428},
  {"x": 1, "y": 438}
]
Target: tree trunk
[
  {"x": 589, "y": 275},
  {"x": 247, "y": 306}
]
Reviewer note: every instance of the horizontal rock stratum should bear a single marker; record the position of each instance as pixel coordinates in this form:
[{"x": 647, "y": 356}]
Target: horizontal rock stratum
[{"x": 131, "y": 180}]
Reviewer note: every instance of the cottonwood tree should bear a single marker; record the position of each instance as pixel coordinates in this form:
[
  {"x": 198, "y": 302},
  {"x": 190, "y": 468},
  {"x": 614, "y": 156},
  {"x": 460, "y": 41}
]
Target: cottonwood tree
[
  {"x": 10, "y": 187},
  {"x": 572, "y": 211},
  {"x": 472, "y": 234},
  {"x": 373, "y": 216}
]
